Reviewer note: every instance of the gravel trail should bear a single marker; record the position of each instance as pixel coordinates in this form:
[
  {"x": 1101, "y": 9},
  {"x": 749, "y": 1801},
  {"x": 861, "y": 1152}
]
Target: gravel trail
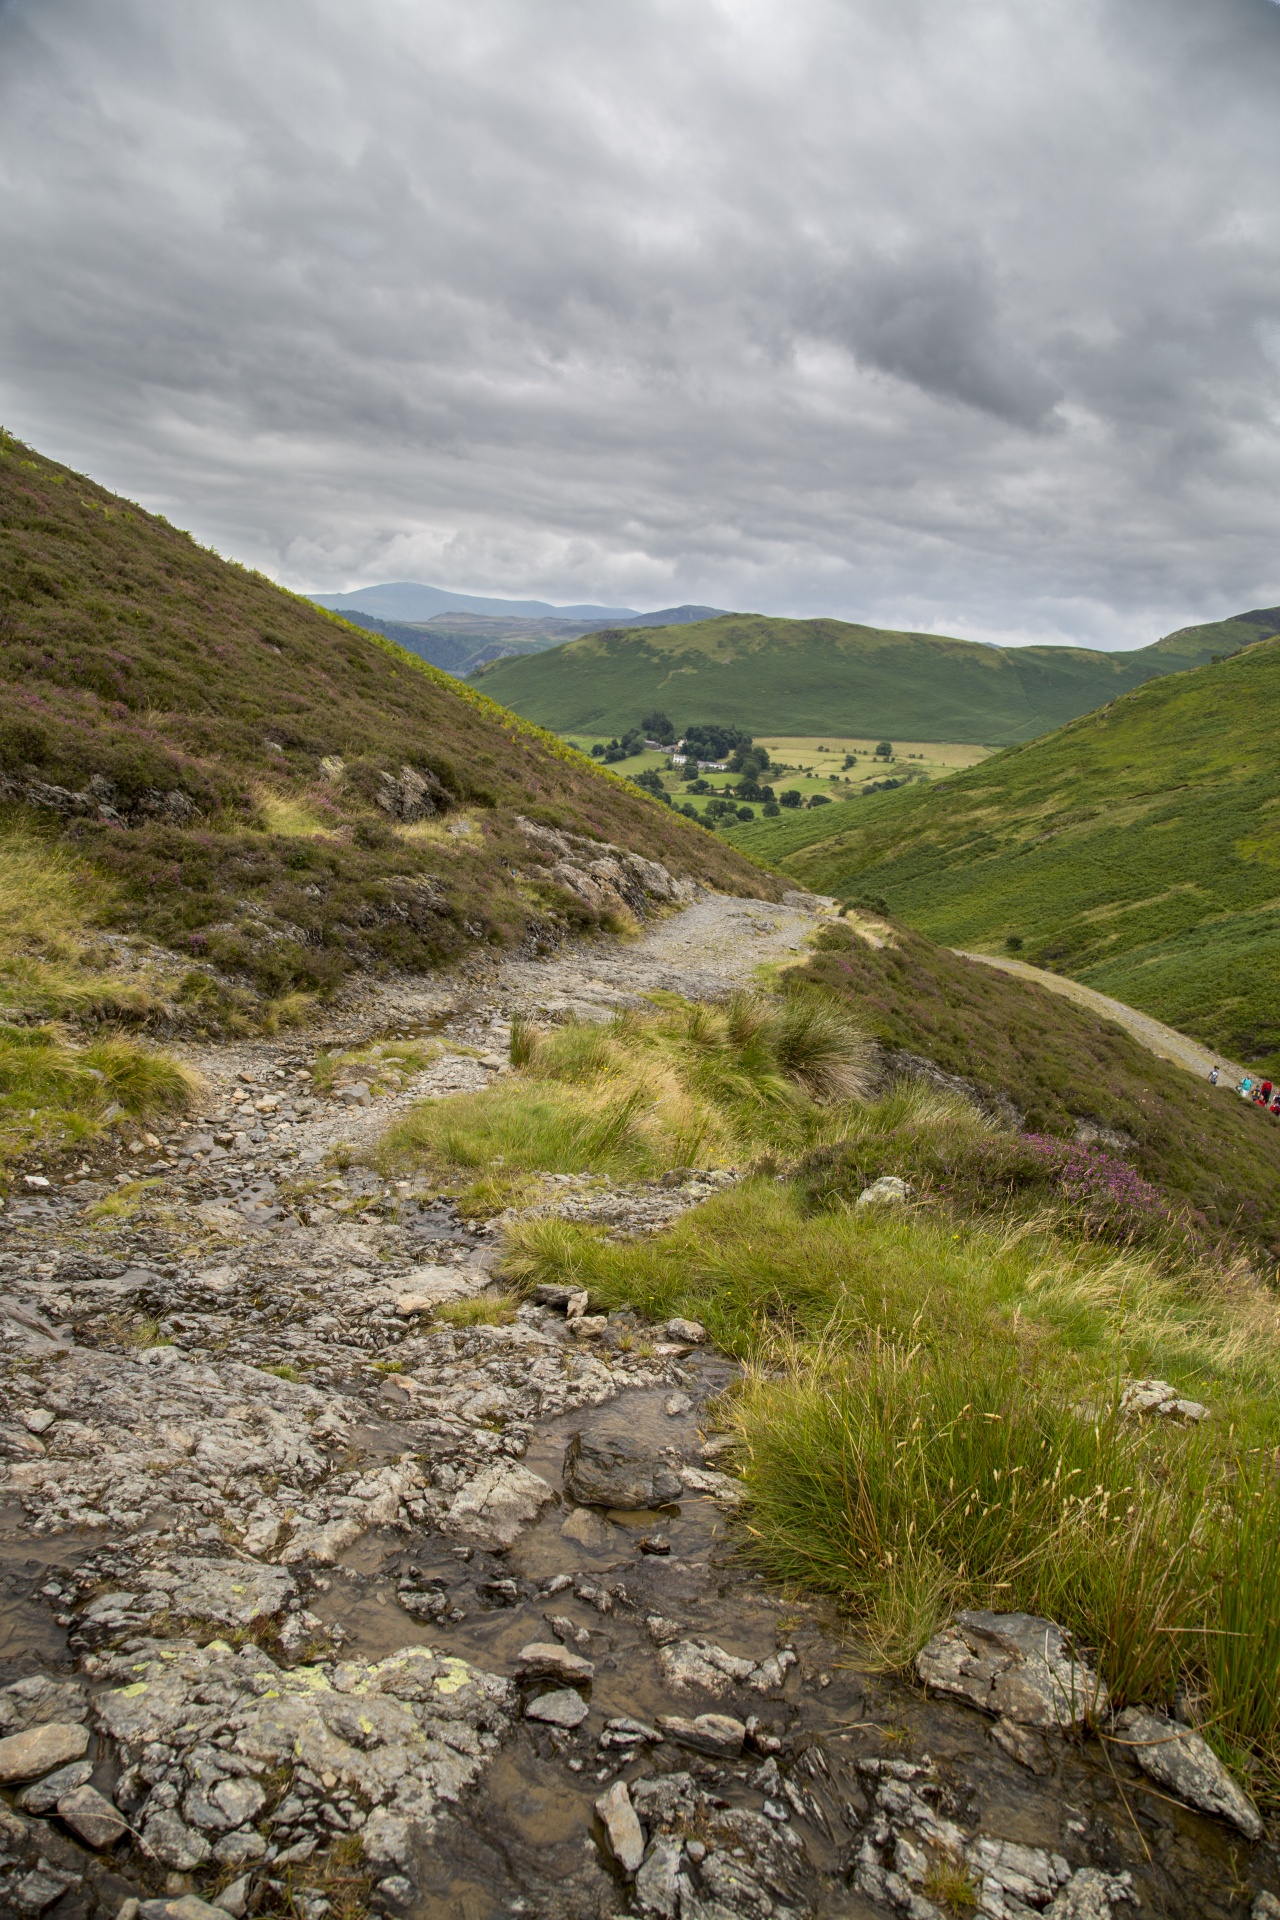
[{"x": 319, "y": 1604}]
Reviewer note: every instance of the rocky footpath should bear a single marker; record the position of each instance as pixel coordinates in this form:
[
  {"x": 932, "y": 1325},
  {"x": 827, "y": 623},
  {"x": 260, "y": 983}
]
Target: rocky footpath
[{"x": 333, "y": 1584}]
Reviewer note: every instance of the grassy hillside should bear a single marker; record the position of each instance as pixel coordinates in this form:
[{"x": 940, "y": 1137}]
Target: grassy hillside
[
  {"x": 1137, "y": 849},
  {"x": 908, "y": 1430},
  {"x": 277, "y": 798},
  {"x": 827, "y": 676}
]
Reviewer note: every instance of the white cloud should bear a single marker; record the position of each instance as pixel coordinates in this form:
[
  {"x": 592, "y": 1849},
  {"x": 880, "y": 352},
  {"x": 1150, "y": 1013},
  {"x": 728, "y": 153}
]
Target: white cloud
[{"x": 962, "y": 318}]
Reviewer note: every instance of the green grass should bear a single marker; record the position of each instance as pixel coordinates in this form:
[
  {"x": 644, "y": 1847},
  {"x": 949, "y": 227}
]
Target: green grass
[
  {"x": 930, "y": 1419},
  {"x": 683, "y": 1086},
  {"x": 1059, "y": 1066},
  {"x": 486, "y": 1310},
  {"x": 818, "y": 676},
  {"x": 930, "y": 1409},
  {"x": 131, "y": 654},
  {"x": 56, "y": 1095},
  {"x": 1137, "y": 850}
]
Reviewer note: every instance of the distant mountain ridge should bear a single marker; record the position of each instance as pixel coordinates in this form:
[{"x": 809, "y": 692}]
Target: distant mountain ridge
[
  {"x": 463, "y": 641},
  {"x": 415, "y": 603},
  {"x": 777, "y": 676}
]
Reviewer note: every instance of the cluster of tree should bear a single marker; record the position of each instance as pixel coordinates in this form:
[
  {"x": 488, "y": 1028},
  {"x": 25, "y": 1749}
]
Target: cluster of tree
[
  {"x": 631, "y": 742},
  {"x": 794, "y": 798},
  {"x": 651, "y": 780},
  {"x": 715, "y": 742},
  {"x": 656, "y": 726}
]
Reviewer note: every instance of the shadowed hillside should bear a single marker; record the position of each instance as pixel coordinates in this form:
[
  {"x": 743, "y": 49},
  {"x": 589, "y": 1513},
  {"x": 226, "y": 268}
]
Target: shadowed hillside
[{"x": 231, "y": 771}]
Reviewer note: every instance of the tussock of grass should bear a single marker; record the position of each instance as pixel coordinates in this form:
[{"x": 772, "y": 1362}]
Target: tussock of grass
[
  {"x": 647, "y": 1093},
  {"x": 291, "y": 815},
  {"x": 50, "y": 960},
  {"x": 930, "y": 1414},
  {"x": 485, "y": 1310},
  {"x": 930, "y": 1419},
  {"x": 754, "y": 1264},
  {"x": 53, "y": 1093}
]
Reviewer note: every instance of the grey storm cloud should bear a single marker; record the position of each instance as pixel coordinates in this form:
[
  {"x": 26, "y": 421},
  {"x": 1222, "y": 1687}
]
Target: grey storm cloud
[{"x": 965, "y": 318}]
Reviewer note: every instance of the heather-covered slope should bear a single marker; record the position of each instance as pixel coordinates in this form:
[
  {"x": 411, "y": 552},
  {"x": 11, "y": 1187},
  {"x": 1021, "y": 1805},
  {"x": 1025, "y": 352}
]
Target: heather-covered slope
[{"x": 254, "y": 783}]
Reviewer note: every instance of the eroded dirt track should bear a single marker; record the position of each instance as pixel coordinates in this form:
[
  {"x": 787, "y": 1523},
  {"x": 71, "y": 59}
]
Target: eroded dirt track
[{"x": 324, "y": 1619}]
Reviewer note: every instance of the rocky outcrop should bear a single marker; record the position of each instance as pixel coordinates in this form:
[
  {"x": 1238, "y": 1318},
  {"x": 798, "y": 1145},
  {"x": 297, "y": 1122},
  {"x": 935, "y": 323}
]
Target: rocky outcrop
[
  {"x": 416, "y": 795},
  {"x": 1014, "y": 1665},
  {"x": 1157, "y": 1396},
  {"x": 230, "y": 1759},
  {"x": 605, "y": 878},
  {"x": 913, "y": 1833},
  {"x": 100, "y": 799}
]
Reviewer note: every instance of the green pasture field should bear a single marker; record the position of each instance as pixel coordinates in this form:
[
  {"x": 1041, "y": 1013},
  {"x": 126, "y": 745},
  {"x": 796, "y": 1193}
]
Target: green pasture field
[{"x": 810, "y": 764}]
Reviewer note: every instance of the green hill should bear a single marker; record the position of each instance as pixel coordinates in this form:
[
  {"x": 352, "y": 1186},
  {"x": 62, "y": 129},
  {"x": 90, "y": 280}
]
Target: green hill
[
  {"x": 1137, "y": 849},
  {"x": 191, "y": 756},
  {"x": 828, "y": 676}
]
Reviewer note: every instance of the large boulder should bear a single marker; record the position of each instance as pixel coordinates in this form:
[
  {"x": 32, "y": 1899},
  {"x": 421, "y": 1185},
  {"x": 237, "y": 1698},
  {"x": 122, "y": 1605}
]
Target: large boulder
[
  {"x": 609, "y": 1469},
  {"x": 1013, "y": 1665}
]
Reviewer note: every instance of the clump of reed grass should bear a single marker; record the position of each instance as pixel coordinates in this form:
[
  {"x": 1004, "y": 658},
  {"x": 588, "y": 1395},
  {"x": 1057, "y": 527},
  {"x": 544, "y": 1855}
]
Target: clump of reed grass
[
  {"x": 482, "y": 1310},
  {"x": 640, "y": 1095},
  {"x": 55, "y": 1093}
]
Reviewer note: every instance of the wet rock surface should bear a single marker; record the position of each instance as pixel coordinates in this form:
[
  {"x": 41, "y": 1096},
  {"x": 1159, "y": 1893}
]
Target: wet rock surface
[
  {"x": 317, "y": 1604},
  {"x": 1016, "y": 1666},
  {"x": 1182, "y": 1760}
]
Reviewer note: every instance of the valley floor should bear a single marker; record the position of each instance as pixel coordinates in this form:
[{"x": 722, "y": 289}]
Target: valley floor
[{"x": 290, "y": 1552}]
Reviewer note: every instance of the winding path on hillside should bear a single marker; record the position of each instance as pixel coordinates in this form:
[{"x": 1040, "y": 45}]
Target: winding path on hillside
[{"x": 1152, "y": 1034}]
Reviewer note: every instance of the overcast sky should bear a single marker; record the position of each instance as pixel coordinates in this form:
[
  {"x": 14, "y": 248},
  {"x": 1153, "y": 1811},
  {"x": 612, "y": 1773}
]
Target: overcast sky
[{"x": 964, "y": 317}]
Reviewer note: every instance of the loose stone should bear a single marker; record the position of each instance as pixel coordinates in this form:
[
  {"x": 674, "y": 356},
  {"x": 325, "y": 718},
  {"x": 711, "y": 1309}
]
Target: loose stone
[
  {"x": 564, "y": 1708},
  {"x": 92, "y": 1816},
  {"x": 25, "y": 1756},
  {"x": 45, "y": 1795},
  {"x": 1182, "y": 1760},
  {"x": 1015, "y": 1665},
  {"x": 604, "y": 1469},
  {"x": 715, "y": 1733},
  {"x": 618, "y": 1816},
  {"x": 546, "y": 1661}
]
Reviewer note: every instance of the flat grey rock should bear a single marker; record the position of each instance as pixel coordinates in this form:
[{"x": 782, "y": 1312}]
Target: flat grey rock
[
  {"x": 718, "y": 1734},
  {"x": 44, "y": 1796},
  {"x": 547, "y": 1660},
  {"x": 888, "y": 1190},
  {"x": 1013, "y": 1665},
  {"x": 91, "y": 1815},
  {"x": 494, "y": 1509},
  {"x": 564, "y": 1708},
  {"x": 25, "y": 1756},
  {"x": 1092, "y": 1895},
  {"x": 658, "y": 1881},
  {"x": 692, "y": 1332},
  {"x": 1184, "y": 1762}
]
